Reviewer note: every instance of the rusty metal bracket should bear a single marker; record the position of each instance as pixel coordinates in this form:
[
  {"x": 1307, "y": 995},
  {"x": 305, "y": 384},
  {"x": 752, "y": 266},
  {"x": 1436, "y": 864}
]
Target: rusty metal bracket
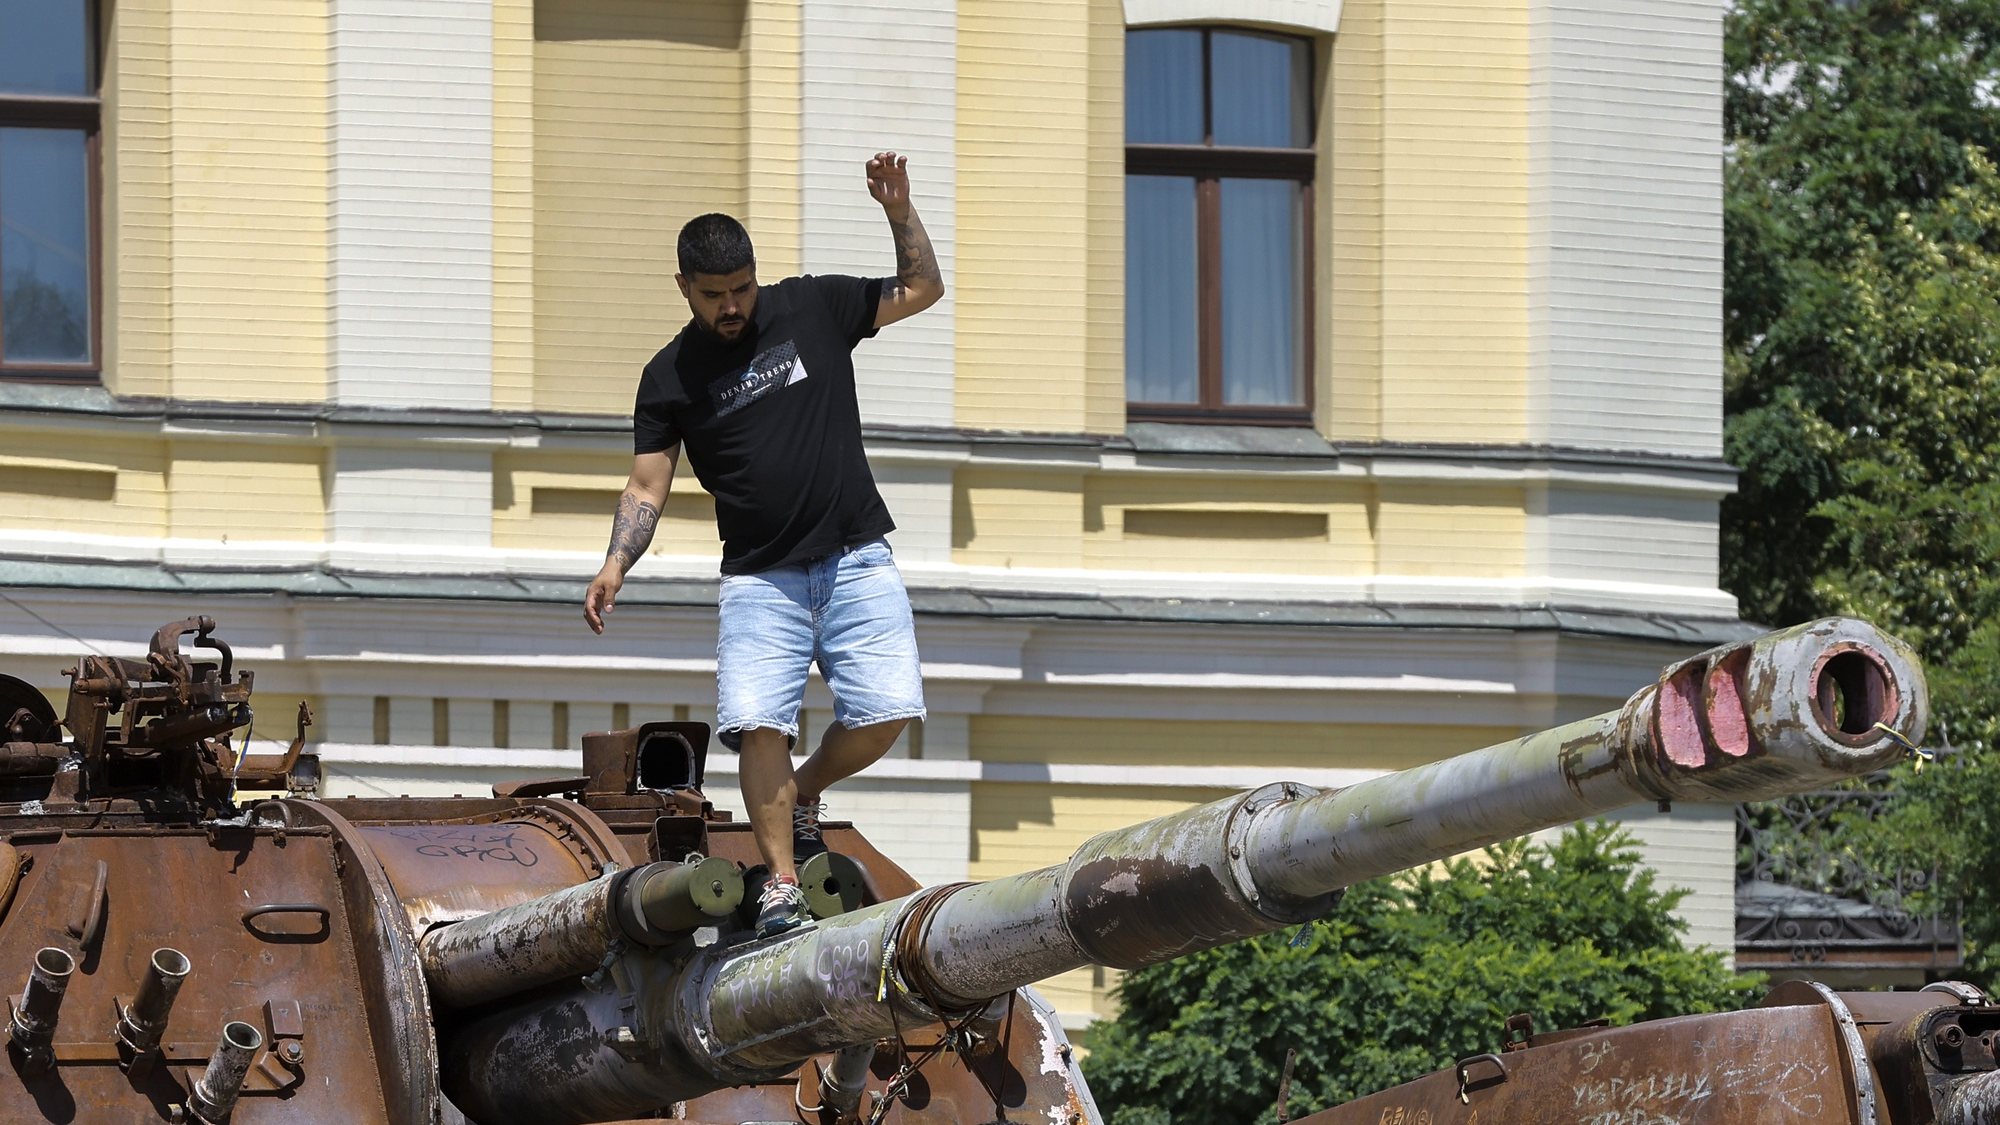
[
  {"x": 538, "y": 787},
  {"x": 1285, "y": 1086},
  {"x": 677, "y": 837},
  {"x": 281, "y": 1066},
  {"x": 87, "y": 927},
  {"x": 325, "y": 920},
  {"x": 14, "y": 863},
  {"x": 1965, "y": 993},
  {"x": 1464, "y": 1070},
  {"x": 275, "y": 810},
  {"x": 659, "y": 755},
  {"x": 271, "y": 769}
]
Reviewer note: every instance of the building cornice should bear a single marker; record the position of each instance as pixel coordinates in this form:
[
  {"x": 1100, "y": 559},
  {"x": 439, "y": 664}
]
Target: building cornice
[
  {"x": 313, "y": 582},
  {"x": 1143, "y": 447}
]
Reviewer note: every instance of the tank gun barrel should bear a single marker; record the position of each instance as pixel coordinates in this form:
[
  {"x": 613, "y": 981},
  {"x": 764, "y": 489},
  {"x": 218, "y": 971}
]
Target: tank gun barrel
[
  {"x": 1760, "y": 719},
  {"x": 1755, "y": 720},
  {"x": 1786, "y": 712}
]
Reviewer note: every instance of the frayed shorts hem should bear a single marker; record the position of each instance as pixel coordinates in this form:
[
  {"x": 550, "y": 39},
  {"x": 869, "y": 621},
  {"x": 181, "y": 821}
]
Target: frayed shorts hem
[
  {"x": 860, "y": 721},
  {"x": 731, "y": 736}
]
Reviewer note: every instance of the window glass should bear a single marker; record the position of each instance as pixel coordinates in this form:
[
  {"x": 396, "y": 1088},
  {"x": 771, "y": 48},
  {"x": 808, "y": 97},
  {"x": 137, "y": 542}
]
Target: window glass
[
  {"x": 1216, "y": 266},
  {"x": 44, "y": 48},
  {"x": 44, "y": 246},
  {"x": 1260, "y": 292},
  {"x": 1260, "y": 91},
  {"x": 1163, "y": 87},
  {"x": 1161, "y": 361}
]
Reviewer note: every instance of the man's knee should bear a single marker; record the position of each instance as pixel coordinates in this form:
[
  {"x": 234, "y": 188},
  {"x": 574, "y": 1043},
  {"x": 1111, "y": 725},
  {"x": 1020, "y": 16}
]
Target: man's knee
[{"x": 762, "y": 741}]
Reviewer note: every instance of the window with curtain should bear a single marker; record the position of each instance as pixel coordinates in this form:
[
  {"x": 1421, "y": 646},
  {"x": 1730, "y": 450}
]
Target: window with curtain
[
  {"x": 49, "y": 115},
  {"x": 1218, "y": 225}
]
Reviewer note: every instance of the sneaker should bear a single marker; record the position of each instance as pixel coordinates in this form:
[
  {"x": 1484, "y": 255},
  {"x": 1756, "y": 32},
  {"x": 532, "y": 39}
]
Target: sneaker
[
  {"x": 781, "y": 907},
  {"x": 806, "y": 842}
]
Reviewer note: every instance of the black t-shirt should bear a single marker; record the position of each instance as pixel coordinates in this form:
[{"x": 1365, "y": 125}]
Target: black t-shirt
[{"x": 771, "y": 424}]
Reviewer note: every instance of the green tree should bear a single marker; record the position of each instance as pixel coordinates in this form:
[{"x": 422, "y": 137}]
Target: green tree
[
  {"x": 1916, "y": 527},
  {"x": 1839, "y": 118},
  {"x": 1862, "y": 371},
  {"x": 1915, "y": 368},
  {"x": 1406, "y": 975}
]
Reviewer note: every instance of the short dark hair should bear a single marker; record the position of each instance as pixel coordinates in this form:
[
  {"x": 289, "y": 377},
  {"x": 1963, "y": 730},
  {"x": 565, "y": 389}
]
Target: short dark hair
[{"x": 714, "y": 244}]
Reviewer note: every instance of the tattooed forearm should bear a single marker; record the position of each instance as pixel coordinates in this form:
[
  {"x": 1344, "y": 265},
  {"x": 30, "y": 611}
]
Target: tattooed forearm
[
  {"x": 631, "y": 530},
  {"x": 916, "y": 262}
]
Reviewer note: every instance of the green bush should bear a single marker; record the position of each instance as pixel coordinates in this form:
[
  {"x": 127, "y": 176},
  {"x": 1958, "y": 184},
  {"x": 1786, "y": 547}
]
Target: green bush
[{"x": 1405, "y": 976}]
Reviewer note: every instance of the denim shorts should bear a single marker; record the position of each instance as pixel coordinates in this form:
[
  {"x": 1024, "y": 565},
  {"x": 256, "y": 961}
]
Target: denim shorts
[{"x": 848, "y": 612}]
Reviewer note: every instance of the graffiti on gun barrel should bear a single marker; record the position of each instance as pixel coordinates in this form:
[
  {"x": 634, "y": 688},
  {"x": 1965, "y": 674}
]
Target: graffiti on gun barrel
[{"x": 486, "y": 845}]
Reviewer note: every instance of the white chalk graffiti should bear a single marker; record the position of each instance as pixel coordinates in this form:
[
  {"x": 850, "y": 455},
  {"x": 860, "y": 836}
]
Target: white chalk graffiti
[{"x": 1789, "y": 1087}]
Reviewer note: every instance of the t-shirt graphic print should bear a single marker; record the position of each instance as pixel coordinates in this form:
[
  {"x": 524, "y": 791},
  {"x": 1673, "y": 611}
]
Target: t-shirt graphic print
[{"x": 774, "y": 367}]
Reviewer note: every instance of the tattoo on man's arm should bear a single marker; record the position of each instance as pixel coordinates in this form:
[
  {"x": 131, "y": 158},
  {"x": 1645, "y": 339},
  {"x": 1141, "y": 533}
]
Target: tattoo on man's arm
[
  {"x": 631, "y": 530},
  {"x": 916, "y": 262}
]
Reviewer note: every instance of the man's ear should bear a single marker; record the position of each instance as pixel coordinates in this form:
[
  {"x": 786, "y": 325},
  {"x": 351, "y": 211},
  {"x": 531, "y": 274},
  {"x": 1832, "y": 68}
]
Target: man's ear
[{"x": 683, "y": 283}]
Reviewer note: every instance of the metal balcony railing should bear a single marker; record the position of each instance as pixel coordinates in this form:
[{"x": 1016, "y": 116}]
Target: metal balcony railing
[{"x": 1808, "y": 896}]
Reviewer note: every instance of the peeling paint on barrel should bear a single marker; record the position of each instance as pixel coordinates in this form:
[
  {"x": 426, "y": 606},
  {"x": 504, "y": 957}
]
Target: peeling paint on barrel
[{"x": 1975, "y": 1101}]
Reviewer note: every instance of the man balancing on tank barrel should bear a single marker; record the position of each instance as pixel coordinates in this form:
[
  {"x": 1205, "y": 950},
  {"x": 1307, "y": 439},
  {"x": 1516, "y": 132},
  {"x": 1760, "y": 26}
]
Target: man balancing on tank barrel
[{"x": 759, "y": 387}]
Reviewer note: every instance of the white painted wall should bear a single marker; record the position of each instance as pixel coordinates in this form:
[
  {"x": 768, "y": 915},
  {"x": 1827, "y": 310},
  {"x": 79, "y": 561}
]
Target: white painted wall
[
  {"x": 411, "y": 497},
  {"x": 1605, "y": 535},
  {"x": 1626, "y": 225},
  {"x": 412, "y": 202},
  {"x": 919, "y": 496},
  {"x": 1693, "y": 846},
  {"x": 881, "y": 75}
]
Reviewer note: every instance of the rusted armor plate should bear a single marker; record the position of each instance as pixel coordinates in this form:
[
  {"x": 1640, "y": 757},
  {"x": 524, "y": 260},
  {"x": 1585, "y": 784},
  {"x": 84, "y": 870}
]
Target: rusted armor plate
[{"x": 1766, "y": 1066}]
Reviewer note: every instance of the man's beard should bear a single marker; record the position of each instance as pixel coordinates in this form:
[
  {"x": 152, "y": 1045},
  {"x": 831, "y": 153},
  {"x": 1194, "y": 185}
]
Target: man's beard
[{"x": 715, "y": 329}]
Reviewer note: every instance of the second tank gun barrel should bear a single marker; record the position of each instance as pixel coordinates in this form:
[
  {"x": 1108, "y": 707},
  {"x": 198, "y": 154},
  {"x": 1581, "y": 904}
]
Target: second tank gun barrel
[{"x": 568, "y": 933}]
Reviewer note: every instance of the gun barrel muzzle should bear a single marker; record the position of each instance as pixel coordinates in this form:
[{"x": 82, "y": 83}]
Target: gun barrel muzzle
[
  {"x": 214, "y": 1095},
  {"x": 33, "y": 1028},
  {"x": 143, "y": 1021}
]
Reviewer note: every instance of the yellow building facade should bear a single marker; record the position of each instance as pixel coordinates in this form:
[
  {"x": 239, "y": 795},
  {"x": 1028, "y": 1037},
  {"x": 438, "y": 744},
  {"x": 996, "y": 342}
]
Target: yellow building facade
[{"x": 369, "y": 286}]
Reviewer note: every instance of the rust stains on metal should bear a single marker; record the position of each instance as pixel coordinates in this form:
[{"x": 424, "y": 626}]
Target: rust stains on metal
[
  {"x": 1132, "y": 911},
  {"x": 564, "y": 934},
  {"x": 1582, "y": 760},
  {"x": 448, "y": 871},
  {"x": 1743, "y": 1068},
  {"x": 552, "y": 1049}
]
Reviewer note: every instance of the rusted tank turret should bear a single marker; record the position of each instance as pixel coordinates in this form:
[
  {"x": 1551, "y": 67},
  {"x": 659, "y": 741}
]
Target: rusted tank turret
[{"x": 574, "y": 949}]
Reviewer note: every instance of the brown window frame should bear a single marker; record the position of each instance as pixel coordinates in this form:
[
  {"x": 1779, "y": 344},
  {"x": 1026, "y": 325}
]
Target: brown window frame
[
  {"x": 73, "y": 113},
  {"x": 1209, "y": 164}
]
